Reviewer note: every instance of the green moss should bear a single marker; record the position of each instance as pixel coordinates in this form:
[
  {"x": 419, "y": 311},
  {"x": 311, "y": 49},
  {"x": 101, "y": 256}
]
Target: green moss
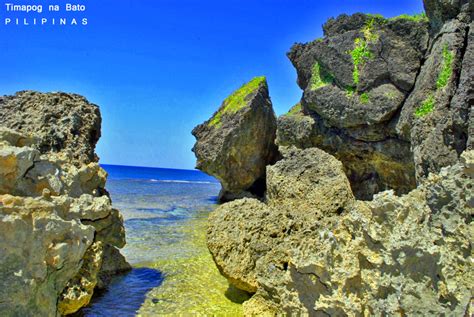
[
  {"x": 236, "y": 100},
  {"x": 447, "y": 68},
  {"x": 364, "y": 98},
  {"x": 319, "y": 77},
  {"x": 295, "y": 110},
  {"x": 361, "y": 53},
  {"x": 426, "y": 107},
  {"x": 350, "y": 91},
  {"x": 420, "y": 17},
  {"x": 376, "y": 16}
]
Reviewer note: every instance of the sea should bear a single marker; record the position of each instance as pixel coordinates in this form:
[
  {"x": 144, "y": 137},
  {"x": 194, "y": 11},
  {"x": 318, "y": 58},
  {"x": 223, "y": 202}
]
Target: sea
[{"x": 165, "y": 216}]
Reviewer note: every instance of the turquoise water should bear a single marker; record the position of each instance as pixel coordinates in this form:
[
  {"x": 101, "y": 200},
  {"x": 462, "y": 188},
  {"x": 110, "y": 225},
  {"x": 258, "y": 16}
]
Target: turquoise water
[{"x": 165, "y": 215}]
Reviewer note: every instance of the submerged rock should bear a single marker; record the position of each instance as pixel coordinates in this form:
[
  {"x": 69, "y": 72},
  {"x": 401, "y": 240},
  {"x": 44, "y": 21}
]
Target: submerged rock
[
  {"x": 237, "y": 143},
  {"x": 58, "y": 231}
]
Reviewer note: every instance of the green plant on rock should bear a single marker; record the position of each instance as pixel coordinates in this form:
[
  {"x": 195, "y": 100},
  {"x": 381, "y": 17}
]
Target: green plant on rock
[
  {"x": 361, "y": 52},
  {"x": 350, "y": 91},
  {"x": 447, "y": 68},
  {"x": 420, "y": 17},
  {"x": 236, "y": 100},
  {"x": 376, "y": 16},
  {"x": 319, "y": 77},
  {"x": 368, "y": 30},
  {"x": 295, "y": 110},
  {"x": 364, "y": 98},
  {"x": 426, "y": 107}
]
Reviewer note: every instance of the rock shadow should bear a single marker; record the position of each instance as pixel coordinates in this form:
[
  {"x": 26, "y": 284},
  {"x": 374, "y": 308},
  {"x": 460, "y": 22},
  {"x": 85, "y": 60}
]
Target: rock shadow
[{"x": 125, "y": 294}]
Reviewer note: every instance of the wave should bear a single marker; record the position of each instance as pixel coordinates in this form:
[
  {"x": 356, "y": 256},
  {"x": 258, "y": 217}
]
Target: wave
[
  {"x": 181, "y": 181},
  {"x": 154, "y": 180}
]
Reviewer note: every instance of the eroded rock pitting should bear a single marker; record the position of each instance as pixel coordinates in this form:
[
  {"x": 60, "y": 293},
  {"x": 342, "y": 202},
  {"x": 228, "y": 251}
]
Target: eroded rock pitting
[
  {"x": 369, "y": 210},
  {"x": 59, "y": 232}
]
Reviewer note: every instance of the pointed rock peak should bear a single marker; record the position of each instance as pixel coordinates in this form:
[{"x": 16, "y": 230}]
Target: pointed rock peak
[
  {"x": 240, "y": 99},
  {"x": 237, "y": 143}
]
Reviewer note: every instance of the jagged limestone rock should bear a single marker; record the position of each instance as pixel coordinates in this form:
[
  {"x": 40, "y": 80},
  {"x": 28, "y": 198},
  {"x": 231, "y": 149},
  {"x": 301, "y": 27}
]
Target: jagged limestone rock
[
  {"x": 58, "y": 231},
  {"x": 355, "y": 81},
  {"x": 61, "y": 122},
  {"x": 431, "y": 120},
  {"x": 366, "y": 258},
  {"x": 246, "y": 235},
  {"x": 237, "y": 143},
  {"x": 310, "y": 248}
]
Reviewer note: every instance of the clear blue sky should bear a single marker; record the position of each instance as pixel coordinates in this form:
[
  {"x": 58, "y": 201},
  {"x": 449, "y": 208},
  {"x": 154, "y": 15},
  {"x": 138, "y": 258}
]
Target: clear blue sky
[{"x": 157, "y": 68}]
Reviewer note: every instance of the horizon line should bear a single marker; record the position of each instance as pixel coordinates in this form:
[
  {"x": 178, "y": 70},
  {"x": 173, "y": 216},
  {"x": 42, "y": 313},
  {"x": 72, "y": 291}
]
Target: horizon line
[{"x": 166, "y": 168}]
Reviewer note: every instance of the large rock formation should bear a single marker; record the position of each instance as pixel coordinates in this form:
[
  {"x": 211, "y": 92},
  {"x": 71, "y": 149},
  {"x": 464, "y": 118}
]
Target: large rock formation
[
  {"x": 380, "y": 95},
  {"x": 369, "y": 212},
  {"x": 237, "y": 143},
  {"x": 331, "y": 255},
  {"x": 58, "y": 231}
]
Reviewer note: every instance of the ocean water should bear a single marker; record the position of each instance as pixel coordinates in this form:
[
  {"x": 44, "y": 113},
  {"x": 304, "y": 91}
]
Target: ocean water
[{"x": 165, "y": 215}]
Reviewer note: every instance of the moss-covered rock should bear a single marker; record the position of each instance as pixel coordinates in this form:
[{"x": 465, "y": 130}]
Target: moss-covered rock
[{"x": 237, "y": 142}]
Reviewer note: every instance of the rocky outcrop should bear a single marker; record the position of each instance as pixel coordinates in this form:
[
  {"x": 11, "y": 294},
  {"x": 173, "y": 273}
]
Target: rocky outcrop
[
  {"x": 355, "y": 82},
  {"x": 385, "y": 96},
  {"x": 61, "y": 122},
  {"x": 237, "y": 143},
  {"x": 330, "y": 254},
  {"x": 369, "y": 210},
  {"x": 58, "y": 231},
  {"x": 247, "y": 235}
]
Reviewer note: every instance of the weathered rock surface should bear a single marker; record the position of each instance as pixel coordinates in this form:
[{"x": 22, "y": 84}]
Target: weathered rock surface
[
  {"x": 383, "y": 93},
  {"x": 237, "y": 143},
  {"x": 246, "y": 232},
  {"x": 369, "y": 212},
  {"x": 438, "y": 138},
  {"x": 61, "y": 122},
  {"x": 58, "y": 231},
  {"x": 333, "y": 255},
  {"x": 355, "y": 82}
]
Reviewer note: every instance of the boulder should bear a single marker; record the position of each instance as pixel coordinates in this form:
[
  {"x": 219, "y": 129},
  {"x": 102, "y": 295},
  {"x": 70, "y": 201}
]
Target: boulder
[
  {"x": 355, "y": 81},
  {"x": 337, "y": 256},
  {"x": 59, "y": 235},
  {"x": 237, "y": 143},
  {"x": 432, "y": 120},
  {"x": 247, "y": 236},
  {"x": 369, "y": 210},
  {"x": 62, "y": 122}
]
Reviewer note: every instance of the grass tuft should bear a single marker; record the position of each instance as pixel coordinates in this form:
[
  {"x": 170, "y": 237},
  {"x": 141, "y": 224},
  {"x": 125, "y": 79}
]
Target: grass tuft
[
  {"x": 319, "y": 77},
  {"x": 236, "y": 100},
  {"x": 420, "y": 17},
  {"x": 364, "y": 98},
  {"x": 361, "y": 53},
  {"x": 426, "y": 107},
  {"x": 447, "y": 68},
  {"x": 295, "y": 110}
]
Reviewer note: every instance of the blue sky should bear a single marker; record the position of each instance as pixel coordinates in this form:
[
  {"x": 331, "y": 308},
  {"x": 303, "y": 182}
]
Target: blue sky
[{"x": 157, "y": 68}]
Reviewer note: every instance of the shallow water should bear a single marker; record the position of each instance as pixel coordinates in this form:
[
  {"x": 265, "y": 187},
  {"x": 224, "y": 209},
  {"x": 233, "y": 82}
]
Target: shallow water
[{"x": 165, "y": 213}]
